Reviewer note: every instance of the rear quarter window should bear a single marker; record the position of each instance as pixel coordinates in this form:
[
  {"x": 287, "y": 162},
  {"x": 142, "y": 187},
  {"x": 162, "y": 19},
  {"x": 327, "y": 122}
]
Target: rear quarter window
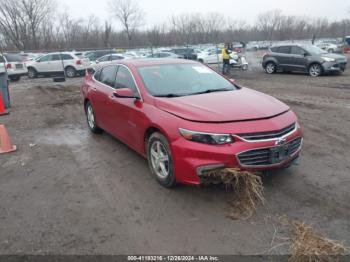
[{"x": 274, "y": 49}]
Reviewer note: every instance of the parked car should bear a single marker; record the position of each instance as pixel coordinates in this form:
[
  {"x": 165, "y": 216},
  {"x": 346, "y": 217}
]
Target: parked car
[
  {"x": 55, "y": 63},
  {"x": 14, "y": 66},
  {"x": 187, "y": 119},
  {"x": 29, "y": 56},
  {"x": 108, "y": 59},
  {"x": 164, "y": 55},
  {"x": 303, "y": 58},
  {"x": 94, "y": 55},
  {"x": 330, "y": 47},
  {"x": 186, "y": 53}
]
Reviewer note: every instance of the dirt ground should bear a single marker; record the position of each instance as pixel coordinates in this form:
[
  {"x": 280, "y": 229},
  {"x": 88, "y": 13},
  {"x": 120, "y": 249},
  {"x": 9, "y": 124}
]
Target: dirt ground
[{"x": 67, "y": 191}]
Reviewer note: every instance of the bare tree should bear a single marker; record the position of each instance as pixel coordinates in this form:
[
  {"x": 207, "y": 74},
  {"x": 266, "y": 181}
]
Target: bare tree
[
  {"x": 35, "y": 12},
  {"x": 269, "y": 22},
  {"x": 129, "y": 15},
  {"x": 107, "y": 34},
  {"x": 12, "y": 24}
]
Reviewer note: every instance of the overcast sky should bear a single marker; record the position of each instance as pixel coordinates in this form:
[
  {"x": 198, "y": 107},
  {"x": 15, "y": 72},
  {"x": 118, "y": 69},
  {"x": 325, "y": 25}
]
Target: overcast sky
[{"x": 158, "y": 11}]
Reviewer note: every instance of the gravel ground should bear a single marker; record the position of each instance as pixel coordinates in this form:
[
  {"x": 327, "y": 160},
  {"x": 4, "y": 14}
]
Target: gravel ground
[{"x": 66, "y": 191}]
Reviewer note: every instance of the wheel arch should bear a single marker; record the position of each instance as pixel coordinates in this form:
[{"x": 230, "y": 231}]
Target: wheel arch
[
  {"x": 86, "y": 100},
  {"x": 149, "y": 131},
  {"x": 32, "y": 67},
  {"x": 69, "y": 66}
]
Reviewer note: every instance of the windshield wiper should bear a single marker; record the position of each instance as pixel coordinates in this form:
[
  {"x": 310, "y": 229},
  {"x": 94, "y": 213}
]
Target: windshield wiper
[
  {"x": 168, "y": 95},
  {"x": 212, "y": 91}
]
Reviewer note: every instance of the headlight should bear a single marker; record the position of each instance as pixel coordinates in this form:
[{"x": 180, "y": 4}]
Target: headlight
[
  {"x": 206, "y": 138},
  {"x": 328, "y": 59}
]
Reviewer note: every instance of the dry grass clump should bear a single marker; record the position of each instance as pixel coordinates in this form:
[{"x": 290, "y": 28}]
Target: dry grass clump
[
  {"x": 308, "y": 245},
  {"x": 247, "y": 190}
]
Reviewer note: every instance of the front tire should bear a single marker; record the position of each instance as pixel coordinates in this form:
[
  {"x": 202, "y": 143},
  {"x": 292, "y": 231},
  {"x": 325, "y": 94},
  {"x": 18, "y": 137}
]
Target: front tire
[
  {"x": 160, "y": 160},
  {"x": 91, "y": 119},
  {"x": 270, "y": 68},
  {"x": 315, "y": 70}
]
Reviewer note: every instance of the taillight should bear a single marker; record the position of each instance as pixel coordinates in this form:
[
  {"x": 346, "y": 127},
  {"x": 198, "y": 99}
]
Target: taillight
[
  {"x": 8, "y": 66},
  {"x": 78, "y": 62}
]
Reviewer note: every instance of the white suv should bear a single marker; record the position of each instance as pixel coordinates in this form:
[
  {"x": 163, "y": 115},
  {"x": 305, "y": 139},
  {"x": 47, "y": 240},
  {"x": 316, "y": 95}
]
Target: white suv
[
  {"x": 53, "y": 64},
  {"x": 14, "y": 66}
]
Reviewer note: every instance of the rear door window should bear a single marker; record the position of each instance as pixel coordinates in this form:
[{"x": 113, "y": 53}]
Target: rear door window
[
  {"x": 66, "y": 57},
  {"x": 55, "y": 57},
  {"x": 296, "y": 50},
  {"x": 284, "y": 49},
  {"x": 108, "y": 75}
]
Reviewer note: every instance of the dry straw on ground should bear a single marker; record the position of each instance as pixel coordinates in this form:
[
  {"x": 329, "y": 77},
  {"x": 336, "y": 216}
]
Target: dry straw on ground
[
  {"x": 247, "y": 190},
  {"x": 308, "y": 245}
]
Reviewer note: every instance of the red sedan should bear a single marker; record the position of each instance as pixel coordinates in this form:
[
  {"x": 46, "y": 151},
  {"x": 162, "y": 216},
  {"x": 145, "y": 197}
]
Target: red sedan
[{"x": 186, "y": 119}]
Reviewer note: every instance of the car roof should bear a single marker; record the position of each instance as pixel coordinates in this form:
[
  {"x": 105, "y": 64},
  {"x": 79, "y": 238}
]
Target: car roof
[
  {"x": 291, "y": 44},
  {"x": 155, "y": 61}
]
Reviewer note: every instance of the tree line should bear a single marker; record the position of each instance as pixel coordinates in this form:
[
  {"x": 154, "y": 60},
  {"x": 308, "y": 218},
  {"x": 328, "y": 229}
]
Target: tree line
[{"x": 37, "y": 25}]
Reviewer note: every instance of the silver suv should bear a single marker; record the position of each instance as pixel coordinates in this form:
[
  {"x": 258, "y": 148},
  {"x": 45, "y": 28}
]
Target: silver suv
[{"x": 302, "y": 58}]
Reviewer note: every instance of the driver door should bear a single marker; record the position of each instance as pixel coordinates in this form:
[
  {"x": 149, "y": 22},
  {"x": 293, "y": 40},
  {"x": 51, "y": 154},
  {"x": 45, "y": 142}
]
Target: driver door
[{"x": 129, "y": 111}]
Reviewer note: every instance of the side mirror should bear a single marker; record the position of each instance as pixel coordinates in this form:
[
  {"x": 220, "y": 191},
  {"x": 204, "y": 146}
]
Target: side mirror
[
  {"x": 124, "y": 93},
  {"x": 97, "y": 61},
  {"x": 306, "y": 54}
]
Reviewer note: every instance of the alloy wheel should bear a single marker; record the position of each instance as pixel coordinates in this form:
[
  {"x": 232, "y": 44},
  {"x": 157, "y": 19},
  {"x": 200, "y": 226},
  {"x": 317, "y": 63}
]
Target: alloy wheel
[
  {"x": 70, "y": 72},
  {"x": 90, "y": 117},
  {"x": 270, "y": 68},
  {"x": 315, "y": 70},
  {"x": 160, "y": 159}
]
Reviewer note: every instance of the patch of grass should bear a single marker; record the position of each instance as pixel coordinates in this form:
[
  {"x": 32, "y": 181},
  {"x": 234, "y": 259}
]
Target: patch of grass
[
  {"x": 247, "y": 190},
  {"x": 308, "y": 245}
]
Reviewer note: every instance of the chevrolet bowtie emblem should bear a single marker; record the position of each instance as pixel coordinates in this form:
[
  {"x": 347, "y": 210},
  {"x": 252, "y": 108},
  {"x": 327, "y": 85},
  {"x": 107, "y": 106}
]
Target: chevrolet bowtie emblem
[{"x": 281, "y": 142}]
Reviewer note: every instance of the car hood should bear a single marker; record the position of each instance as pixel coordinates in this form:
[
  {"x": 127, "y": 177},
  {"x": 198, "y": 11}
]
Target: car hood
[{"x": 239, "y": 105}]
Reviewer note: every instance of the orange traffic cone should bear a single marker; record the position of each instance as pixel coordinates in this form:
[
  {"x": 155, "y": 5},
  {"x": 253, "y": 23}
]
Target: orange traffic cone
[
  {"x": 5, "y": 142},
  {"x": 2, "y": 107}
]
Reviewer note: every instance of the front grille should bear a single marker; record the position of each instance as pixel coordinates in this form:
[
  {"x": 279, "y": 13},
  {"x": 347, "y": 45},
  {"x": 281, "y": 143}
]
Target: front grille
[
  {"x": 268, "y": 135},
  {"x": 269, "y": 156}
]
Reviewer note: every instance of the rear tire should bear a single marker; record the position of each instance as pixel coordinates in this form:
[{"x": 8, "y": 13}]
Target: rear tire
[
  {"x": 160, "y": 160},
  {"x": 70, "y": 72},
  {"x": 315, "y": 70},
  {"x": 32, "y": 73},
  {"x": 270, "y": 68},
  {"x": 91, "y": 119}
]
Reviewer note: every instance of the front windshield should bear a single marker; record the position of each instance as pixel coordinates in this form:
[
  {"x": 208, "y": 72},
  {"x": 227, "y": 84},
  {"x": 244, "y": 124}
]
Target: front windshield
[
  {"x": 174, "y": 80},
  {"x": 314, "y": 50}
]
